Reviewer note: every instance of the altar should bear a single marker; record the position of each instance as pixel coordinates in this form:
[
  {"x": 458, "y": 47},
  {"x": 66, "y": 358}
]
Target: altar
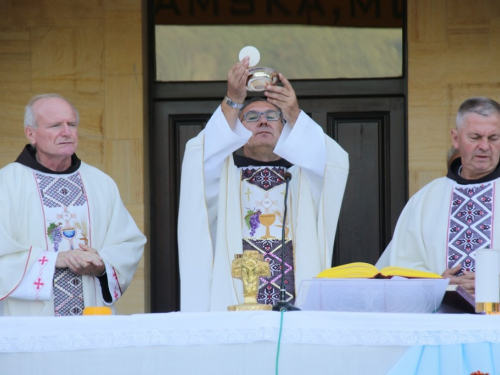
[{"x": 311, "y": 342}]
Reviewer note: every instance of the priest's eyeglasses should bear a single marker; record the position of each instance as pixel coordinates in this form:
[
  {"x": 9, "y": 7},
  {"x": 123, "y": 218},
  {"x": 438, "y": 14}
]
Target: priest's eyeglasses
[{"x": 253, "y": 116}]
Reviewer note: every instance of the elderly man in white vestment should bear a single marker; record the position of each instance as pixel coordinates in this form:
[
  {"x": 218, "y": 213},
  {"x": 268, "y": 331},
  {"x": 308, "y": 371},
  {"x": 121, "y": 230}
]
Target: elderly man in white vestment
[
  {"x": 66, "y": 238},
  {"x": 231, "y": 202},
  {"x": 445, "y": 222}
]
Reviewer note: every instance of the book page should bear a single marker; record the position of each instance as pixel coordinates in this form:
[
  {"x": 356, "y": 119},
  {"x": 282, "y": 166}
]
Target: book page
[
  {"x": 408, "y": 272},
  {"x": 361, "y": 270},
  {"x": 351, "y": 270}
]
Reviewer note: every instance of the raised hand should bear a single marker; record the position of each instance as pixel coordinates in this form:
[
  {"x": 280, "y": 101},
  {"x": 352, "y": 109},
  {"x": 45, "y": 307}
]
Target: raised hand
[
  {"x": 236, "y": 90},
  {"x": 285, "y": 98},
  {"x": 237, "y": 80}
]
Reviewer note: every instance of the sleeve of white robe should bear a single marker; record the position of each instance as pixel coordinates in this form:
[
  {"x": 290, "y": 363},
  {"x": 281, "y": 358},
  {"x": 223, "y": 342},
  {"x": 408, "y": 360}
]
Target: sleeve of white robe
[
  {"x": 16, "y": 258},
  {"x": 120, "y": 243},
  {"x": 198, "y": 206},
  {"x": 304, "y": 146},
  {"x": 406, "y": 248},
  {"x": 220, "y": 141},
  {"x": 37, "y": 281},
  {"x": 409, "y": 247},
  {"x": 326, "y": 167}
]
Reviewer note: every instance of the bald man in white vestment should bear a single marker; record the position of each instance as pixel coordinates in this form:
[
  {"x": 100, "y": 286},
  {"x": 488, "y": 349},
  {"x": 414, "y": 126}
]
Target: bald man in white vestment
[{"x": 66, "y": 238}]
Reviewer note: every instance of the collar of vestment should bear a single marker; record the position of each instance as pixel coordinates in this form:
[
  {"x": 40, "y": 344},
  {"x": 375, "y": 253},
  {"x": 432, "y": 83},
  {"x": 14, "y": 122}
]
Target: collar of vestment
[
  {"x": 454, "y": 175},
  {"x": 28, "y": 158},
  {"x": 243, "y": 161}
]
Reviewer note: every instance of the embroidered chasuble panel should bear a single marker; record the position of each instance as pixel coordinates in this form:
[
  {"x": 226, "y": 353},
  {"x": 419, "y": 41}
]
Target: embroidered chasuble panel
[
  {"x": 471, "y": 219},
  {"x": 270, "y": 287},
  {"x": 262, "y": 206},
  {"x": 68, "y": 293},
  {"x": 67, "y": 224}
]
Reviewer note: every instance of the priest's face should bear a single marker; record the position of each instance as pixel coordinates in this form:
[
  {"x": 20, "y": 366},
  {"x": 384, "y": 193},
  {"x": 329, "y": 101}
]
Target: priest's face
[
  {"x": 478, "y": 140},
  {"x": 56, "y": 135},
  {"x": 266, "y": 130}
]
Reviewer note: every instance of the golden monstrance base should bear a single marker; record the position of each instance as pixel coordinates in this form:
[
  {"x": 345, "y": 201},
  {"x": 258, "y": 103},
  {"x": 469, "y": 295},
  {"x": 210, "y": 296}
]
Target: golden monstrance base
[
  {"x": 487, "y": 307},
  {"x": 250, "y": 307}
]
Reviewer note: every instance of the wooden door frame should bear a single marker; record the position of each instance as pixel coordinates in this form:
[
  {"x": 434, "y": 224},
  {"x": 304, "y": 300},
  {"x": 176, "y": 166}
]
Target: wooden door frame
[{"x": 162, "y": 290}]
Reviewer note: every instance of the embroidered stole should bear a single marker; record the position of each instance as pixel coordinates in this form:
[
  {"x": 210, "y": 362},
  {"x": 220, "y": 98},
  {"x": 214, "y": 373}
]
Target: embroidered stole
[
  {"x": 471, "y": 220},
  {"x": 66, "y": 214},
  {"x": 262, "y": 201}
]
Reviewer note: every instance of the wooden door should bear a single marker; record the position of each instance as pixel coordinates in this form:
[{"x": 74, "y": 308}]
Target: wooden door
[{"x": 366, "y": 118}]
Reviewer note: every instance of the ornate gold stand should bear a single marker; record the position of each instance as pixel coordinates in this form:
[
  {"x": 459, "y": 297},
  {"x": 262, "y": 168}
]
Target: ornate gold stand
[
  {"x": 249, "y": 266},
  {"x": 488, "y": 307},
  {"x": 250, "y": 307}
]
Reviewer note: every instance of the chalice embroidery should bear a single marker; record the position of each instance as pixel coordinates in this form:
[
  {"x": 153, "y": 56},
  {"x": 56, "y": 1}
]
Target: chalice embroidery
[
  {"x": 267, "y": 218},
  {"x": 68, "y": 231}
]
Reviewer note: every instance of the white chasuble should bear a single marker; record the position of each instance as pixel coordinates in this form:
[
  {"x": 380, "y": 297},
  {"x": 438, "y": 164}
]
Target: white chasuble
[
  {"x": 215, "y": 205},
  {"x": 262, "y": 206},
  {"x": 46, "y": 213},
  {"x": 445, "y": 223},
  {"x": 67, "y": 223}
]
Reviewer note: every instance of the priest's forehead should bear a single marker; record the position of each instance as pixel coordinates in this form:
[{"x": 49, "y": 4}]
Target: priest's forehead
[
  {"x": 258, "y": 103},
  {"x": 31, "y": 109},
  {"x": 483, "y": 106}
]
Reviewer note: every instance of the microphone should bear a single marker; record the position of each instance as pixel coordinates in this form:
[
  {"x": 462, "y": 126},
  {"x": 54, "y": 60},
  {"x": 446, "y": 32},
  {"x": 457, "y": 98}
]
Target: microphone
[{"x": 283, "y": 304}]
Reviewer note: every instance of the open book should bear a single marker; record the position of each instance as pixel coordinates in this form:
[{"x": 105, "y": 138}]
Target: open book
[
  {"x": 360, "y": 270},
  {"x": 458, "y": 300}
]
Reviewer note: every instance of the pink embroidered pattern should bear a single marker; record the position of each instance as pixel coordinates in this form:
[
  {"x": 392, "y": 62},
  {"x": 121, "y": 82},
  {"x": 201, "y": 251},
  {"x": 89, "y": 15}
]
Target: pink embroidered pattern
[
  {"x": 63, "y": 192},
  {"x": 470, "y": 224},
  {"x": 38, "y": 283},
  {"x": 116, "y": 288}
]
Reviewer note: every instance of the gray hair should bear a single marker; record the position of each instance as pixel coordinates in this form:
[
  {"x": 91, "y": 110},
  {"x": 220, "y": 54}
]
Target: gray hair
[
  {"x": 480, "y": 105},
  {"x": 259, "y": 99},
  {"x": 30, "y": 117}
]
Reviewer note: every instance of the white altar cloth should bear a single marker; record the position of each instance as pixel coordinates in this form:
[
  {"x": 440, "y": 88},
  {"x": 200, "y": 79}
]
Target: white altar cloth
[{"x": 233, "y": 342}]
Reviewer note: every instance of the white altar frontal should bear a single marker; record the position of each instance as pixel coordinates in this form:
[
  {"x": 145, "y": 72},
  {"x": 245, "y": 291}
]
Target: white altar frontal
[{"x": 311, "y": 342}]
